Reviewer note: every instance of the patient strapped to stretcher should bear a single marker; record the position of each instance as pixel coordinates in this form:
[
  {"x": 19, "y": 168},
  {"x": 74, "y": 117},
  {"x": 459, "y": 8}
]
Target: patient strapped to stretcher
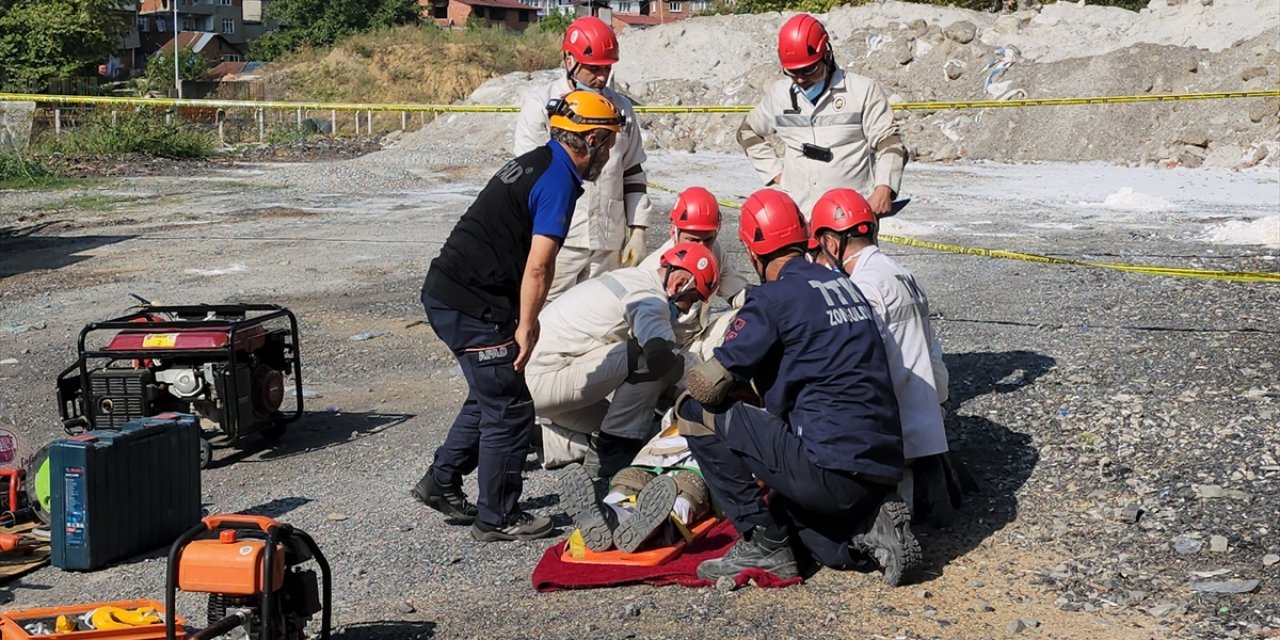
[{"x": 658, "y": 502}]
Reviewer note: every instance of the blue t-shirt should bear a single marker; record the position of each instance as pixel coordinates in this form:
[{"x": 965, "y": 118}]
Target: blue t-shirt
[
  {"x": 810, "y": 344},
  {"x": 481, "y": 264}
]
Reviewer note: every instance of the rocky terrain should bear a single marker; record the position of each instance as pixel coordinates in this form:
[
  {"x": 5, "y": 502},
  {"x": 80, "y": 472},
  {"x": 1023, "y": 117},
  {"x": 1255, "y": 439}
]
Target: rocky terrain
[{"x": 925, "y": 53}]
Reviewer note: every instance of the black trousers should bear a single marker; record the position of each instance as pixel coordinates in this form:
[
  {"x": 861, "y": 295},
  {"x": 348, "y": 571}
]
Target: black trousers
[
  {"x": 492, "y": 431},
  {"x": 822, "y": 508}
]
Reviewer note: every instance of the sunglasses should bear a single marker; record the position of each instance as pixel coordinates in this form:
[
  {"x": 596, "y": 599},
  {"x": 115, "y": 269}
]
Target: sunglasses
[{"x": 804, "y": 71}]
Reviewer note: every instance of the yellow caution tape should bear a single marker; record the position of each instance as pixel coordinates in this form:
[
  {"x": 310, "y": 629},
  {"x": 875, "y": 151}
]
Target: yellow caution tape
[
  {"x": 464, "y": 108},
  {"x": 1179, "y": 272}
]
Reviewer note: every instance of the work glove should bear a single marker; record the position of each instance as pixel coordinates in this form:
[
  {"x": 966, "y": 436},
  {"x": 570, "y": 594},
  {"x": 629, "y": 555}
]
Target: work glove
[
  {"x": 661, "y": 361},
  {"x": 633, "y": 250}
]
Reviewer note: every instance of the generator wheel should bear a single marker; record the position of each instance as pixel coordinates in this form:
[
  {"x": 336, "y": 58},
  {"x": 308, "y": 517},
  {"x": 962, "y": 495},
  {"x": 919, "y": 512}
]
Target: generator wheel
[
  {"x": 206, "y": 454},
  {"x": 273, "y": 432}
]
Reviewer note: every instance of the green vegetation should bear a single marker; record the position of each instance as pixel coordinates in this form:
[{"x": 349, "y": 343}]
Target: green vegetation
[
  {"x": 142, "y": 131},
  {"x": 415, "y": 64},
  {"x": 21, "y": 172},
  {"x": 191, "y": 65},
  {"x": 555, "y": 23},
  {"x": 320, "y": 23},
  {"x": 43, "y": 40}
]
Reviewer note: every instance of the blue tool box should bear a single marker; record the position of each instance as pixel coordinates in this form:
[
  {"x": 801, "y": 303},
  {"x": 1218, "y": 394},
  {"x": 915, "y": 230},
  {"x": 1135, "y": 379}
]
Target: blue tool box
[{"x": 118, "y": 493}]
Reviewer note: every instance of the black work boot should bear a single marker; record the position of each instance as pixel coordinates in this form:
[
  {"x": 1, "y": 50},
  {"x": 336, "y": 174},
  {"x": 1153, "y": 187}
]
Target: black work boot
[
  {"x": 595, "y": 521},
  {"x": 445, "y": 498},
  {"x": 653, "y": 509},
  {"x": 889, "y": 541},
  {"x": 615, "y": 453},
  {"x": 520, "y": 527},
  {"x": 756, "y": 550}
]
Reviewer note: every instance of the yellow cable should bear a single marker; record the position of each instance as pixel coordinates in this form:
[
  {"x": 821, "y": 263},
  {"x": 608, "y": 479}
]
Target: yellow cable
[
  {"x": 1179, "y": 272},
  {"x": 459, "y": 108}
]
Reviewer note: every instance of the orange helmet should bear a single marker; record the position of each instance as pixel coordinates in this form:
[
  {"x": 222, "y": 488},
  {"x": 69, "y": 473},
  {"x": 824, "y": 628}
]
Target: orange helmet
[
  {"x": 802, "y": 42},
  {"x": 771, "y": 221},
  {"x": 584, "y": 111},
  {"x": 696, "y": 210},
  {"x": 697, "y": 260},
  {"x": 843, "y": 210},
  {"x": 591, "y": 41}
]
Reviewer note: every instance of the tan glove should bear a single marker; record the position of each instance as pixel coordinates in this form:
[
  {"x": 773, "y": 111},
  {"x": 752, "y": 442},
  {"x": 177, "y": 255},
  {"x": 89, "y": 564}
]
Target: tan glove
[{"x": 633, "y": 250}]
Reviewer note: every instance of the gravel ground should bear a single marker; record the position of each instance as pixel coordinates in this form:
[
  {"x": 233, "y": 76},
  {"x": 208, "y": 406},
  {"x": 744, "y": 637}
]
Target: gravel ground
[{"x": 1118, "y": 423}]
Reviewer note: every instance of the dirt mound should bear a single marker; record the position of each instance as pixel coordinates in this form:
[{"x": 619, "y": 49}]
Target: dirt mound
[{"x": 930, "y": 53}]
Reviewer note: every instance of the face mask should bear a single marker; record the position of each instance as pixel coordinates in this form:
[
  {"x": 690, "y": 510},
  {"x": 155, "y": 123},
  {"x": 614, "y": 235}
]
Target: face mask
[
  {"x": 675, "y": 311},
  {"x": 585, "y": 87},
  {"x": 814, "y": 92}
]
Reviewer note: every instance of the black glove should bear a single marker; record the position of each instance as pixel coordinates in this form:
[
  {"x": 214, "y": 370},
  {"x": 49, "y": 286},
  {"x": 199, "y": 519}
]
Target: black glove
[{"x": 661, "y": 361}]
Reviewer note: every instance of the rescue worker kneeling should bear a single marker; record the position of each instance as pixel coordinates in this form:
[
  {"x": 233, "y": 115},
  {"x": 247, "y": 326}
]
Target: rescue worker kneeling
[
  {"x": 696, "y": 218},
  {"x": 828, "y": 442},
  {"x": 607, "y": 352}
]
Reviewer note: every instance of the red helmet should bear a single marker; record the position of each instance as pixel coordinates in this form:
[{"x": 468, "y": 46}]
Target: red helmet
[
  {"x": 803, "y": 41},
  {"x": 842, "y": 210},
  {"x": 591, "y": 41},
  {"x": 696, "y": 210},
  {"x": 770, "y": 221},
  {"x": 699, "y": 261}
]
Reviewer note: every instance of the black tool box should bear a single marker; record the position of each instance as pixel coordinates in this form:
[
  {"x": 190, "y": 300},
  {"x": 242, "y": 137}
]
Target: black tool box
[{"x": 118, "y": 493}]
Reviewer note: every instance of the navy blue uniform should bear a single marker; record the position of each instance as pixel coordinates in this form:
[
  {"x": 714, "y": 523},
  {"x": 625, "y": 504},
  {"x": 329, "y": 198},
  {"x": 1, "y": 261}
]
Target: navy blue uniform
[
  {"x": 472, "y": 299},
  {"x": 828, "y": 441}
]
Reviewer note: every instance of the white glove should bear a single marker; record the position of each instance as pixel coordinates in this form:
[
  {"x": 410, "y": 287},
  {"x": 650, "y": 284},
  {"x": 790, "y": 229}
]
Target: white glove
[{"x": 633, "y": 250}]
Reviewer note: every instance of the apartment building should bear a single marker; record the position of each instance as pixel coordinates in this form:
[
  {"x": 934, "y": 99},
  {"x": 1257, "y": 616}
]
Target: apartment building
[{"x": 238, "y": 22}]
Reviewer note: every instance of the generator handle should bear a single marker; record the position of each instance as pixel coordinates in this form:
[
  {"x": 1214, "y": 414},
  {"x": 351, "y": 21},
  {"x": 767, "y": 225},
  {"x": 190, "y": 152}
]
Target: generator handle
[
  {"x": 326, "y": 581},
  {"x": 240, "y": 521},
  {"x": 171, "y": 579}
]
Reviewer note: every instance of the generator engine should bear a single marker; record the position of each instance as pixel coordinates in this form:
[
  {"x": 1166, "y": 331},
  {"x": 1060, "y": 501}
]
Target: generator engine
[
  {"x": 266, "y": 580},
  {"x": 235, "y": 366}
]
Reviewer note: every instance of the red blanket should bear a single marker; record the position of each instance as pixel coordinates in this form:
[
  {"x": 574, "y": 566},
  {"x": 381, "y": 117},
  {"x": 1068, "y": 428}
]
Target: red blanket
[{"x": 554, "y": 574}]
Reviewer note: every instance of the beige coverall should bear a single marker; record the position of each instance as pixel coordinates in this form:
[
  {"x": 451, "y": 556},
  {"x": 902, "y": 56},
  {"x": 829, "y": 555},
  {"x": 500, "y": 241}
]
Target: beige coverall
[
  {"x": 614, "y": 201},
  {"x": 852, "y": 118},
  {"x": 581, "y": 359}
]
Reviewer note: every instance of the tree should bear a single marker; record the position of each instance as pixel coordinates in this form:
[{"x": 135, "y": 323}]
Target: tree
[
  {"x": 319, "y": 23},
  {"x": 191, "y": 66},
  {"x": 43, "y": 40},
  {"x": 555, "y": 22}
]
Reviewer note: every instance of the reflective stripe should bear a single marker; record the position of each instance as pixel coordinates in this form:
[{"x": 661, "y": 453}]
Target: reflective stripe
[
  {"x": 833, "y": 120},
  {"x": 906, "y": 312},
  {"x": 837, "y": 119},
  {"x": 613, "y": 286},
  {"x": 791, "y": 121}
]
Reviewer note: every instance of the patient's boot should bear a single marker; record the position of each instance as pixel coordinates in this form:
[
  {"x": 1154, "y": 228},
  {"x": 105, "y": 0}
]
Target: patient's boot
[
  {"x": 594, "y": 520},
  {"x": 653, "y": 509}
]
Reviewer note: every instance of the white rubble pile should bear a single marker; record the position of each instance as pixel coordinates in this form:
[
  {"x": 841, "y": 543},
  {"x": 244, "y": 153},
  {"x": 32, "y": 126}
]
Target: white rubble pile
[{"x": 930, "y": 53}]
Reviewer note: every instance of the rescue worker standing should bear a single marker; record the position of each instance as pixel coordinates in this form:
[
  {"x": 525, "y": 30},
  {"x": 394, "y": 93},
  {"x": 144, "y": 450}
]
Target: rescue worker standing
[
  {"x": 607, "y": 354},
  {"x": 845, "y": 229},
  {"x": 828, "y": 443},
  {"x": 482, "y": 295},
  {"x": 696, "y": 218},
  {"x": 613, "y": 213},
  {"x": 837, "y": 126}
]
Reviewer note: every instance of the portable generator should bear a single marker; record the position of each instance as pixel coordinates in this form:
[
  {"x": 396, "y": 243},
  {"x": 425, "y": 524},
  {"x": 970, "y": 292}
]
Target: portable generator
[
  {"x": 252, "y": 569},
  {"x": 236, "y": 366}
]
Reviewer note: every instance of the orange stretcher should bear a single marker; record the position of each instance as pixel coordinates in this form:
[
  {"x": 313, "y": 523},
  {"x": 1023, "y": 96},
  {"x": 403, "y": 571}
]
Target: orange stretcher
[
  {"x": 12, "y": 623},
  {"x": 647, "y": 558}
]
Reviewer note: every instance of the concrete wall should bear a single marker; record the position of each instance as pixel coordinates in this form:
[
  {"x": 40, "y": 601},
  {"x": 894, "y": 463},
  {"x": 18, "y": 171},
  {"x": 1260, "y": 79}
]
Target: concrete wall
[{"x": 15, "y": 124}]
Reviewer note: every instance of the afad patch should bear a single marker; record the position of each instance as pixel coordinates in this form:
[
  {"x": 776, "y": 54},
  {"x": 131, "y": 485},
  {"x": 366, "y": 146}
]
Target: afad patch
[
  {"x": 492, "y": 353},
  {"x": 838, "y": 103}
]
